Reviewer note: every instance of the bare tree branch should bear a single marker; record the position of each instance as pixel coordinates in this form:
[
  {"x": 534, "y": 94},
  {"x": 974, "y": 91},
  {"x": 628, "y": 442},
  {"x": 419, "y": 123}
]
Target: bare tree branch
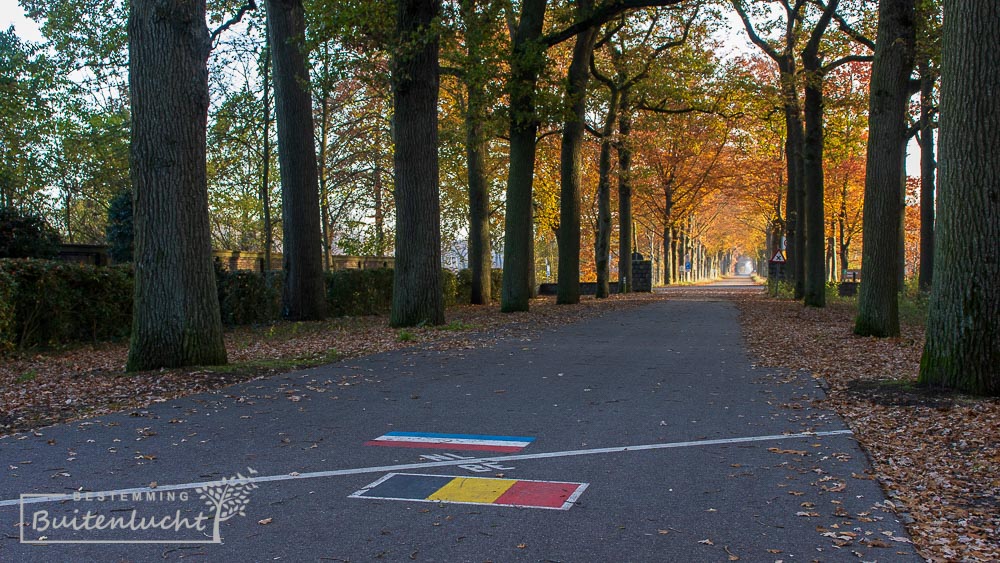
[
  {"x": 844, "y": 60},
  {"x": 847, "y": 29},
  {"x": 250, "y": 5},
  {"x": 752, "y": 34},
  {"x": 601, "y": 15}
]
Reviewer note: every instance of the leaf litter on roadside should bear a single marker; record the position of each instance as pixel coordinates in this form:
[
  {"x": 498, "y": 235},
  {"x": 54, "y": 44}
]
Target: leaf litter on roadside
[{"x": 936, "y": 455}]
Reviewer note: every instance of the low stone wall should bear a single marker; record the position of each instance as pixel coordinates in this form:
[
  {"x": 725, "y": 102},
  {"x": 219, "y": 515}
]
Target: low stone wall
[
  {"x": 642, "y": 276},
  {"x": 230, "y": 260},
  {"x": 586, "y": 288},
  {"x": 254, "y": 261},
  {"x": 93, "y": 254}
]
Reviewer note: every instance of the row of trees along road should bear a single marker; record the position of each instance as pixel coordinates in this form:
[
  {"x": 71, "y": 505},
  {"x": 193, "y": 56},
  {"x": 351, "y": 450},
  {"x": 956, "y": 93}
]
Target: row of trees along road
[{"x": 422, "y": 121}]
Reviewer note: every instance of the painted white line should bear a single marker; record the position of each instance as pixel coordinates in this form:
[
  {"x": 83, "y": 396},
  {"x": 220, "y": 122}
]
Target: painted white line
[{"x": 425, "y": 465}]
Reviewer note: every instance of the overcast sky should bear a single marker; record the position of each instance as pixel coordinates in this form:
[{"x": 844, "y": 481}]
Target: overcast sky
[
  {"x": 12, "y": 14},
  {"x": 735, "y": 41}
]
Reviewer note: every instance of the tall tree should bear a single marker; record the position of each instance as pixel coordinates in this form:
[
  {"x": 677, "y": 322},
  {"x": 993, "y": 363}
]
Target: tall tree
[
  {"x": 928, "y": 57},
  {"x": 527, "y": 60},
  {"x": 479, "y": 66},
  {"x": 878, "y": 308},
  {"x": 304, "y": 295},
  {"x": 602, "y": 242},
  {"x": 416, "y": 295},
  {"x": 812, "y": 256},
  {"x": 569, "y": 177},
  {"x": 176, "y": 318},
  {"x": 962, "y": 350},
  {"x": 624, "y": 193},
  {"x": 265, "y": 176},
  {"x": 928, "y": 167},
  {"x": 787, "y": 66},
  {"x": 632, "y": 59},
  {"x": 26, "y": 117}
]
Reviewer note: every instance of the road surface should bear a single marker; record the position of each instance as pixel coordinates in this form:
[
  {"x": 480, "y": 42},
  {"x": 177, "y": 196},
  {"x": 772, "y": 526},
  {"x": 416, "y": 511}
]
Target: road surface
[{"x": 643, "y": 435}]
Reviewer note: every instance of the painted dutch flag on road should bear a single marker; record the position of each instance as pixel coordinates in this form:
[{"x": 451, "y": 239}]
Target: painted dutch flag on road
[{"x": 477, "y": 442}]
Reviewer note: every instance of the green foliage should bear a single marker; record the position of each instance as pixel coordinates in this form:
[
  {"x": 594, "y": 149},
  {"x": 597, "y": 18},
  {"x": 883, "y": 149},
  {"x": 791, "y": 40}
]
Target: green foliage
[
  {"x": 46, "y": 303},
  {"x": 24, "y": 235},
  {"x": 449, "y": 287},
  {"x": 359, "y": 292},
  {"x": 89, "y": 166},
  {"x": 913, "y": 304},
  {"x": 55, "y": 303},
  {"x": 236, "y": 162},
  {"x": 89, "y": 34},
  {"x": 405, "y": 336},
  {"x": 119, "y": 231},
  {"x": 27, "y": 376},
  {"x": 27, "y": 80},
  {"x": 780, "y": 289}
]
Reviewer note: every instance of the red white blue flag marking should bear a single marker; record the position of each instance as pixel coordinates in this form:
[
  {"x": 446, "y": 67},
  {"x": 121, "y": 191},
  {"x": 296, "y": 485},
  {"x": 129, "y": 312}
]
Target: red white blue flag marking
[{"x": 477, "y": 442}]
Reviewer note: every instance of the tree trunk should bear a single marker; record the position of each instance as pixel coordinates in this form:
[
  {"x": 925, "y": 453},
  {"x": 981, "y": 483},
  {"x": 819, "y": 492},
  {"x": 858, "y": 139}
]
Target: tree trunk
[
  {"x": 927, "y": 166},
  {"x": 304, "y": 289},
  {"x": 526, "y": 63},
  {"x": 324, "y": 139},
  {"x": 831, "y": 259},
  {"x": 479, "y": 201},
  {"x": 416, "y": 295},
  {"x": 901, "y": 224},
  {"x": 665, "y": 260},
  {"x": 795, "y": 237},
  {"x": 624, "y": 195},
  {"x": 532, "y": 278},
  {"x": 176, "y": 319},
  {"x": 675, "y": 259},
  {"x": 602, "y": 242},
  {"x": 379, "y": 190},
  {"x": 813, "y": 256},
  {"x": 962, "y": 350},
  {"x": 842, "y": 243},
  {"x": 265, "y": 182},
  {"x": 569, "y": 166},
  {"x": 684, "y": 256},
  {"x": 474, "y": 79},
  {"x": 669, "y": 246},
  {"x": 878, "y": 309}
]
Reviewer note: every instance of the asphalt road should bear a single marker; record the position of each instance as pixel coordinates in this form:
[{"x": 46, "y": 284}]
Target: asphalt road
[{"x": 688, "y": 453}]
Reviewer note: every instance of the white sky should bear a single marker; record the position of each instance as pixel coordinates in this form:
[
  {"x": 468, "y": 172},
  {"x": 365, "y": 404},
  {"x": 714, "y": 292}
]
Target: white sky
[{"x": 11, "y": 13}]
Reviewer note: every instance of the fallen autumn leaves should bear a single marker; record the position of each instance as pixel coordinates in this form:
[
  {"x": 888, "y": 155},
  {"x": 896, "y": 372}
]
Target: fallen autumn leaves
[{"x": 936, "y": 455}]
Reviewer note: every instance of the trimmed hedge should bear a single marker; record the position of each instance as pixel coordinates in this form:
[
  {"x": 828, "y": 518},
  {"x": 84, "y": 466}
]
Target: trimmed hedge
[
  {"x": 369, "y": 292},
  {"x": 463, "y": 291},
  {"x": 59, "y": 302},
  {"x": 249, "y": 297},
  {"x": 359, "y": 292},
  {"x": 7, "y": 288},
  {"x": 47, "y": 303}
]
